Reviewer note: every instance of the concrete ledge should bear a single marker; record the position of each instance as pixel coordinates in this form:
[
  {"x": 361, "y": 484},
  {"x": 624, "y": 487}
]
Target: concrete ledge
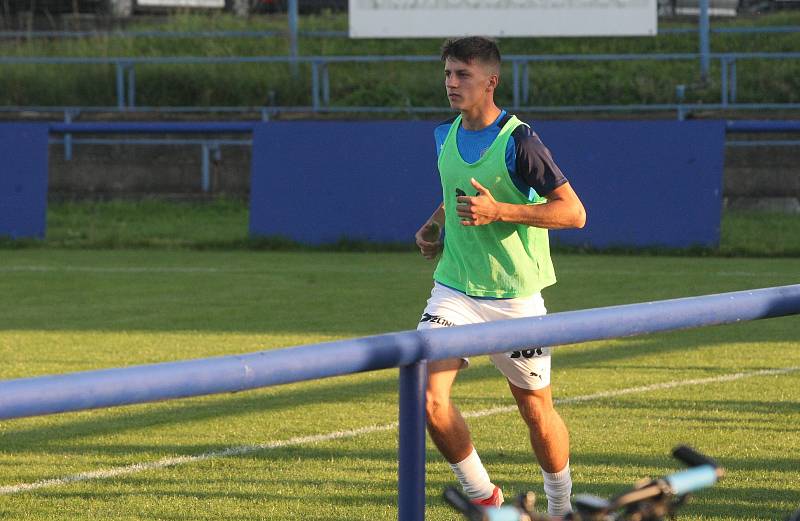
[{"x": 789, "y": 205}]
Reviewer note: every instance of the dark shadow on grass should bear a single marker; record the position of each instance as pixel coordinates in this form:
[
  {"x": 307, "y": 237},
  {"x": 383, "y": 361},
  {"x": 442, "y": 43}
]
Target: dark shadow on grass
[
  {"x": 322, "y": 392},
  {"x": 717, "y": 502}
]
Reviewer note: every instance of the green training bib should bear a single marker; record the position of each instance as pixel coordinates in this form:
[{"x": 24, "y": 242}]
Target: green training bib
[{"x": 501, "y": 260}]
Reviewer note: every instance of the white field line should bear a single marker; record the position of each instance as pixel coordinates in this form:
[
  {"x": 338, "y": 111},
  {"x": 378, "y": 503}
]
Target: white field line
[
  {"x": 117, "y": 269},
  {"x": 210, "y": 269},
  {"x": 318, "y": 438}
]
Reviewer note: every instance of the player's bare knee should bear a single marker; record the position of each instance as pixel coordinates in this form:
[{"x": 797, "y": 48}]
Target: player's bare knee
[{"x": 436, "y": 406}]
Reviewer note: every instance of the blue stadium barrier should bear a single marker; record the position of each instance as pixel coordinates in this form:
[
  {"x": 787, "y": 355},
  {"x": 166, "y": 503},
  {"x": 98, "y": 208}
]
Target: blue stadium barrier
[
  {"x": 23, "y": 180},
  {"x": 408, "y": 349},
  {"x": 698, "y": 142},
  {"x": 629, "y": 175}
]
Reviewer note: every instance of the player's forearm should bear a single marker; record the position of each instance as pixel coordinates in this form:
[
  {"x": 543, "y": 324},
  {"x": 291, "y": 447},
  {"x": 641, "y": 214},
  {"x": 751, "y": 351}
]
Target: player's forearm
[
  {"x": 553, "y": 214},
  {"x": 438, "y": 216}
]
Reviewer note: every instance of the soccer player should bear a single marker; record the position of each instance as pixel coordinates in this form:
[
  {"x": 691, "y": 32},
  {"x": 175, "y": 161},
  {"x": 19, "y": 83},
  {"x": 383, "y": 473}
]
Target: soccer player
[{"x": 501, "y": 192}]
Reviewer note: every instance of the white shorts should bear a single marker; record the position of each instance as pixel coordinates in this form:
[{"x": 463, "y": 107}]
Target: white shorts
[{"x": 528, "y": 368}]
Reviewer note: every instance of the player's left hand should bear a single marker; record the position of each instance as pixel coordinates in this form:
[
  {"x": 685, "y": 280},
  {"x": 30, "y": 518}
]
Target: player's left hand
[{"x": 479, "y": 210}]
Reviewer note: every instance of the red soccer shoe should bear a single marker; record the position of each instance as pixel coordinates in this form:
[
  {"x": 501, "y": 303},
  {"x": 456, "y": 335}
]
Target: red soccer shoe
[{"x": 495, "y": 500}]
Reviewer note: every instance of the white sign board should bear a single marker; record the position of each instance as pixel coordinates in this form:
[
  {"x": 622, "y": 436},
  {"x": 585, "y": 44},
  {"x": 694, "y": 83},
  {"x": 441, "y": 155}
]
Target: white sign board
[
  {"x": 454, "y": 18},
  {"x": 211, "y": 4}
]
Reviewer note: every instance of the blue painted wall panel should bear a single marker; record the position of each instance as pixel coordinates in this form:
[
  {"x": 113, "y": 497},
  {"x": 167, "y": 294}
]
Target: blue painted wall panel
[
  {"x": 644, "y": 183},
  {"x": 23, "y": 180},
  {"x": 317, "y": 182}
]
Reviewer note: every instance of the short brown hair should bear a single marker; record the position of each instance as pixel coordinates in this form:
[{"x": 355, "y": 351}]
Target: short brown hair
[{"x": 472, "y": 48}]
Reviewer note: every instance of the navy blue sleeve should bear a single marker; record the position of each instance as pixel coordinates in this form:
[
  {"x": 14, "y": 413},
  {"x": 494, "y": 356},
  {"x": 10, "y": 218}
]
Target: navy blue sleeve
[
  {"x": 534, "y": 164},
  {"x": 440, "y": 133}
]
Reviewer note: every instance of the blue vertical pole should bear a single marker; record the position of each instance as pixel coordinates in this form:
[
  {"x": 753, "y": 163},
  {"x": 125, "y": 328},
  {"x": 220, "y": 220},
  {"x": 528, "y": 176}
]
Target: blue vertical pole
[
  {"x": 705, "y": 40},
  {"x": 723, "y": 81},
  {"x": 205, "y": 167},
  {"x": 120, "y": 86},
  {"x": 680, "y": 95},
  {"x": 68, "y": 138},
  {"x": 515, "y": 81},
  {"x": 315, "y": 85},
  {"x": 525, "y": 80},
  {"x": 292, "y": 12},
  {"x": 131, "y": 86},
  {"x": 411, "y": 456},
  {"x": 326, "y": 85}
]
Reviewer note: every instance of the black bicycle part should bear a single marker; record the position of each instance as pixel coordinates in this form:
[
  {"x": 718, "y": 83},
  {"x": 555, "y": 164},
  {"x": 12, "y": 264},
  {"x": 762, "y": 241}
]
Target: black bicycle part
[{"x": 462, "y": 503}]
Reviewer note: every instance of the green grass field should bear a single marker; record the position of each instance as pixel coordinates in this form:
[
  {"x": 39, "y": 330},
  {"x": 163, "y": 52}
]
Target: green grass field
[
  {"x": 222, "y": 224},
  {"x": 73, "y": 310}
]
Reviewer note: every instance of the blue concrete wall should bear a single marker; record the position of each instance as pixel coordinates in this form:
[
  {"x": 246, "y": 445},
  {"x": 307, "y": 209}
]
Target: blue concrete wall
[
  {"x": 317, "y": 182},
  {"x": 23, "y": 180},
  {"x": 644, "y": 183}
]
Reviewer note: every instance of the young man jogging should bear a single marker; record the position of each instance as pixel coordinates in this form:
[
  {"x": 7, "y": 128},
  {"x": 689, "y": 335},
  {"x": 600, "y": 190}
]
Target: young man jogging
[{"x": 501, "y": 192}]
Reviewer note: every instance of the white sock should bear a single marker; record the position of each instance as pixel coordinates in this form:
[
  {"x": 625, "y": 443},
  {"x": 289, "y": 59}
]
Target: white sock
[
  {"x": 473, "y": 477},
  {"x": 558, "y": 488}
]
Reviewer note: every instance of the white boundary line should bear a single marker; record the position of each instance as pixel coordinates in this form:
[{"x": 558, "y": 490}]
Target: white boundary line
[
  {"x": 118, "y": 269},
  {"x": 318, "y": 438}
]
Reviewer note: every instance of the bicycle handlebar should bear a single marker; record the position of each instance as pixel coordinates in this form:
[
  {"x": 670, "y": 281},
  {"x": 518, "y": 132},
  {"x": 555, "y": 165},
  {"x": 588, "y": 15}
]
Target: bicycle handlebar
[
  {"x": 667, "y": 492},
  {"x": 692, "y": 479}
]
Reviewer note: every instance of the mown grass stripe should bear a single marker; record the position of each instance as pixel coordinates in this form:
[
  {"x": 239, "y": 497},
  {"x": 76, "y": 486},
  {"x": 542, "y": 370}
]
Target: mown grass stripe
[
  {"x": 209, "y": 269},
  {"x": 318, "y": 438}
]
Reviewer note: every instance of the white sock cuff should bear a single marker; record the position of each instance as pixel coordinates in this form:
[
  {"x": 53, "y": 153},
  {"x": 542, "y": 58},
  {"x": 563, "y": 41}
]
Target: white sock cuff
[
  {"x": 469, "y": 460},
  {"x": 555, "y": 477},
  {"x": 473, "y": 476},
  {"x": 558, "y": 488}
]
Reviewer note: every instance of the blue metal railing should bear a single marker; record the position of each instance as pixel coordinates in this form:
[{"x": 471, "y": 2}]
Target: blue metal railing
[
  {"x": 409, "y": 350},
  {"x": 175, "y": 34},
  {"x": 208, "y": 146},
  {"x": 211, "y": 146},
  {"x": 768, "y": 29},
  {"x": 125, "y": 83}
]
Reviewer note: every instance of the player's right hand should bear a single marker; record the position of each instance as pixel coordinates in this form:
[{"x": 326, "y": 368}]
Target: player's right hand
[{"x": 429, "y": 240}]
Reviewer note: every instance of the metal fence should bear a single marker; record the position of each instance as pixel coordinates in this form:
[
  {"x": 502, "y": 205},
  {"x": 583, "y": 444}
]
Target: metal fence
[
  {"x": 320, "y": 92},
  {"x": 211, "y": 147},
  {"x": 409, "y": 350},
  {"x": 6, "y": 35}
]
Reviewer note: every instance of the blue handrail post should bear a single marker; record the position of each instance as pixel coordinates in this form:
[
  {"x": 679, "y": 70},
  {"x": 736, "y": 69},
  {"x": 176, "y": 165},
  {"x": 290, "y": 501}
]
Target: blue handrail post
[
  {"x": 705, "y": 44},
  {"x": 326, "y": 85},
  {"x": 205, "y": 165},
  {"x": 515, "y": 81},
  {"x": 68, "y": 137},
  {"x": 131, "y": 85},
  {"x": 120, "y": 85},
  {"x": 292, "y": 12},
  {"x": 680, "y": 95},
  {"x": 724, "y": 81},
  {"x": 411, "y": 453},
  {"x": 315, "y": 65},
  {"x": 525, "y": 84}
]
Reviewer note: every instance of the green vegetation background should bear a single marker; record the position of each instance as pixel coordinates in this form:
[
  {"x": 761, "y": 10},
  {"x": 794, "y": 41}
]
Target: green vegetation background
[
  {"x": 388, "y": 83},
  {"x": 223, "y": 224}
]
